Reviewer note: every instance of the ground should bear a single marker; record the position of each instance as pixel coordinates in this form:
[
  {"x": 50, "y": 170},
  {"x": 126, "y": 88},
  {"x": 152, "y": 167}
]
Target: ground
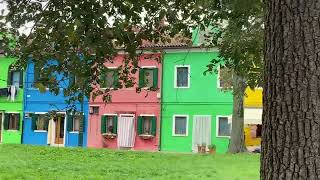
[{"x": 31, "y": 162}]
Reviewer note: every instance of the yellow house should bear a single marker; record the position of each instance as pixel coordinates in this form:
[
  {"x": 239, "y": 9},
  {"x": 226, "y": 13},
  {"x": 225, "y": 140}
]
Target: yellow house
[{"x": 253, "y": 116}]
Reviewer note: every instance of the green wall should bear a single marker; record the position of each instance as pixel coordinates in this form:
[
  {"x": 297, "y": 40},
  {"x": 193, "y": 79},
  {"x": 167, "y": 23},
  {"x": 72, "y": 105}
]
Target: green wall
[
  {"x": 202, "y": 98},
  {"x": 7, "y": 106}
]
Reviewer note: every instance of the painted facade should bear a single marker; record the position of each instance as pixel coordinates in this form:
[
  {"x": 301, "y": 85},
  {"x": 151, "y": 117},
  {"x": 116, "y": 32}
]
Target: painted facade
[
  {"x": 11, "y": 112},
  {"x": 253, "y": 116},
  {"x": 61, "y": 129},
  {"x": 131, "y": 120},
  {"x": 190, "y": 106}
]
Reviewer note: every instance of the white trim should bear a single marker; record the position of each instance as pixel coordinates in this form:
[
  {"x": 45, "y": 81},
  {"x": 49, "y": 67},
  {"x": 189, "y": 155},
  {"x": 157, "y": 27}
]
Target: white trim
[
  {"x": 61, "y": 112},
  {"x": 110, "y": 114},
  {"x": 40, "y": 112},
  {"x": 217, "y": 125},
  {"x": 176, "y": 74},
  {"x": 112, "y": 67},
  {"x": 8, "y": 112},
  {"x": 128, "y": 115},
  {"x": 74, "y": 132},
  {"x": 65, "y": 129},
  {"x": 148, "y": 67},
  {"x": 94, "y": 106},
  {"x": 12, "y": 130},
  {"x": 40, "y": 131},
  {"x": 218, "y": 78},
  {"x": 150, "y": 115},
  {"x": 174, "y": 123}
]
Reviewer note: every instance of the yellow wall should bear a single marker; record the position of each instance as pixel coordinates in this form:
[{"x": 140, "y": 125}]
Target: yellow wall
[
  {"x": 253, "y": 98},
  {"x": 249, "y": 141}
]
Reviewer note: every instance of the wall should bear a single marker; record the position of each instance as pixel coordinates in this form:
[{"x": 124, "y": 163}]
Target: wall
[
  {"x": 253, "y": 98},
  {"x": 7, "y": 106},
  {"x": 127, "y": 100},
  {"x": 35, "y": 101},
  {"x": 202, "y": 98}
]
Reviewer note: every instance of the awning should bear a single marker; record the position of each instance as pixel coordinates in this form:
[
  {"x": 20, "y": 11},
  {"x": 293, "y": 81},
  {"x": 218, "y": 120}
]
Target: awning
[{"x": 253, "y": 116}]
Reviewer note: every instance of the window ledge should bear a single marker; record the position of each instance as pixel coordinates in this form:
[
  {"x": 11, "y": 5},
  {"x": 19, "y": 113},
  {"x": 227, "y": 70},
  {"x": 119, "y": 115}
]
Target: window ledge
[
  {"x": 181, "y": 87},
  {"x": 12, "y": 130},
  {"x": 40, "y": 131},
  {"x": 146, "y": 136},
  {"x": 109, "y": 135},
  {"x": 74, "y": 132},
  {"x": 224, "y": 137},
  {"x": 180, "y": 135}
]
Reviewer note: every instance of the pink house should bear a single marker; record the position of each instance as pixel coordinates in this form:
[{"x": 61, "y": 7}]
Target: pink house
[{"x": 131, "y": 120}]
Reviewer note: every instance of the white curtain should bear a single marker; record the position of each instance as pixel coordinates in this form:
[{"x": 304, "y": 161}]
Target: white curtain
[
  {"x": 126, "y": 133},
  {"x": 201, "y": 131},
  {"x": 51, "y": 132}
]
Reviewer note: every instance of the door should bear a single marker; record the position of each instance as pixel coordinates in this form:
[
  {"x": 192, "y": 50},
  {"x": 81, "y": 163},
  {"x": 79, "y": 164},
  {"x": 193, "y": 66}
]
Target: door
[
  {"x": 1, "y": 117},
  {"x": 126, "y": 132},
  {"x": 201, "y": 133},
  {"x": 59, "y": 133}
]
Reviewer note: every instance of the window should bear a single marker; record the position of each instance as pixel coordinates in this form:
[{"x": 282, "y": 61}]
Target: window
[
  {"x": 109, "y": 124},
  {"x": 224, "y": 126},
  {"x": 42, "y": 122},
  {"x": 148, "y": 77},
  {"x": 94, "y": 110},
  {"x": 110, "y": 78},
  {"x": 180, "y": 125},
  {"x": 182, "y": 77},
  {"x": 76, "y": 123},
  {"x": 11, "y": 121},
  {"x": 147, "y": 125},
  {"x": 15, "y": 77},
  {"x": 224, "y": 77}
]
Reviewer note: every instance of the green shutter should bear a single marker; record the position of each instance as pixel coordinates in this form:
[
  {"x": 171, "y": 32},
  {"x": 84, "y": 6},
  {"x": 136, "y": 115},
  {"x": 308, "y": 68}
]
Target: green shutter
[
  {"x": 141, "y": 78},
  {"x": 21, "y": 79},
  {"x": 34, "y": 121},
  {"x": 18, "y": 122},
  {"x": 81, "y": 130},
  {"x": 72, "y": 80},
  {"x": 9, "y": 80},
  {"x": 140, "y": 122},
  {"x": 155, "y": 78},
  {"x": 153, "y": 125},
  {"x": 115, "y": 124},
  {"x": 102, "y": 82},
  {"x": 103, "y": 124},
  {"x": 115, "y": 78},
  {"x": 46, "y": 123},
  {"x": 69, "y": 122},
  {"x": 6, "y": 121}
]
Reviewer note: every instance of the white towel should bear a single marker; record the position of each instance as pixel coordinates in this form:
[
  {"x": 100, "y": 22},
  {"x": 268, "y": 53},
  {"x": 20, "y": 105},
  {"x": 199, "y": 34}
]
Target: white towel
[
  {"x": 12, "y": 93},
  {"x": 126, "y": 133},
  {"x": 51, "y": 132}
]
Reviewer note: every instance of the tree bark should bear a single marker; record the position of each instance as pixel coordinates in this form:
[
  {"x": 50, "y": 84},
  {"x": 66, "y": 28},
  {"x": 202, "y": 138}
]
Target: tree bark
[
  {"x": 291, "y": 107},
  {"x": 237, "y": 143}
]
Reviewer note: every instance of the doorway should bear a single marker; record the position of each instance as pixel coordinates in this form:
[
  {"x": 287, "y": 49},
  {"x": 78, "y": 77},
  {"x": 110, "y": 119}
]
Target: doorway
[
  {"x": 1, "y": 120},
  {"x": 201, "y": 132},
  {"x": 59, "y": 129},
  {"x": 126, "y": 133}
]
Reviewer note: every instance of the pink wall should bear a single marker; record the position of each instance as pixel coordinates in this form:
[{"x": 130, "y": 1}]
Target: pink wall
[{"x": 127, "y": 101}]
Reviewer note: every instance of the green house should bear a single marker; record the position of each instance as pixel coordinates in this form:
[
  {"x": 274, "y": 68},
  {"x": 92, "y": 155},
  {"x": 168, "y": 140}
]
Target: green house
[
  {"x": 195, "y": 110},
  {"x": 11, "y": 101}
]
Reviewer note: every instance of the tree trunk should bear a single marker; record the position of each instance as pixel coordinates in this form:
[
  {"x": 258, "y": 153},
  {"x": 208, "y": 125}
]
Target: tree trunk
[
  {"x": 291, "y": 107},
  {"x": 237, "y": 143}
]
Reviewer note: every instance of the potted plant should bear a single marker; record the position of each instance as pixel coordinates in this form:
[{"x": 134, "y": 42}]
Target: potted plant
[
  {"x": 203, "y": 148},
  {"x": 212, "y": 148}
]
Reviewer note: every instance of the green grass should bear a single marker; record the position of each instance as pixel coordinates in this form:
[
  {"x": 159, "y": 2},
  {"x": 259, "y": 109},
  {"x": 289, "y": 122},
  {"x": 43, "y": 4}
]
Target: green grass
[{"x": 31, "y": 162}]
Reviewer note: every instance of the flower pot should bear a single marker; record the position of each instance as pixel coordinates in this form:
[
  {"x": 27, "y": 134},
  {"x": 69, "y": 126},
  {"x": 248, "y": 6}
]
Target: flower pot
[{"x": 212, "y": 151}]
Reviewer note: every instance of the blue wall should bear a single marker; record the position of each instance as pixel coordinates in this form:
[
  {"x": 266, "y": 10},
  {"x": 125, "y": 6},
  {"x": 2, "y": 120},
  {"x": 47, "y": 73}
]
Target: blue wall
[{"x": 35, "y": 101}]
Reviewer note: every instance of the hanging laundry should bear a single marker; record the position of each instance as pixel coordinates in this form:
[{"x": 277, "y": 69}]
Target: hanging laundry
[
  {"x": 12, "y": 93},
  {"x": 4, "y": 92}
]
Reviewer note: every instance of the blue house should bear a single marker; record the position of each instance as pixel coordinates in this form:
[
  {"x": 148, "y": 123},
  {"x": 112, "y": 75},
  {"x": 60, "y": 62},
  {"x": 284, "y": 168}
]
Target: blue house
[{"x": 47, "y": 116}]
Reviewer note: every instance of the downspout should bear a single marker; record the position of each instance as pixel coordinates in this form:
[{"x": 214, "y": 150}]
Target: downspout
[
  {"x": 161, "y": 96},
  {"x": 24, "y": 89}
]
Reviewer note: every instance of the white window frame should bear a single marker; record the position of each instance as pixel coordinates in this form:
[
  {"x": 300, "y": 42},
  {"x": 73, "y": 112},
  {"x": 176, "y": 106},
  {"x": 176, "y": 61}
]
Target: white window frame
[
  {"x": 217, "y": 125},
  {"x": 148, "y": 67},
  {"x": 174, "y": 125},
  {"x": 218, "y": 79},
  {"x": 176, "y": 78},
  {"x": 113, "y": 67}
]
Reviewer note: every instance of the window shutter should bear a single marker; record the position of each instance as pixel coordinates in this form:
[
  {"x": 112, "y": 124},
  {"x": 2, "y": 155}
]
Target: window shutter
[
  {"x": 141, "y": 78},
  {"x": 6, "y": 122},
  {"x": 36, "y": 73},
  {"x": 81, "y": 130},
  {"x": 155, "y": 78},
  {"x": 21, "y": 79},
  {"x": 102, "y": 82},
  {"x": 115, "y": 125},
  {"x": 140, "y": 122},
  {"x": 46, "y": 123},
  {"x": 9, "y": 80},
  {"x": 69, "y": 122},
  {"x": 103, "y": 124},
  {"x": 153, "y": 125},
  {"x": 34, "y": 121},
  {"x": 18, "y": 122},
  {"x": 115, "y": 78}
]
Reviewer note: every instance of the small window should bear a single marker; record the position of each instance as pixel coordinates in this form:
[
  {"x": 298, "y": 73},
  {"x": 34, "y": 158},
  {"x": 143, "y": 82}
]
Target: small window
[
  {"x": 225, "y": 77},
  {"x": 182, "y": 79},
  {"x": 15, "y": 77},
  {"x": 147, "y": 125},
  {"x": 110, "y": 78},
  {"x": 12, "y": 121},
  {"x": 109, "y": 124},
  {"x": 148, "y": 77},
  {"x": 94, "y": 110},
  {"x": 76, "y": 123},
  {"x": 224, "y": 126},
  {"x": 180, "y": 125},
  {"x": 41, "y": 122}
]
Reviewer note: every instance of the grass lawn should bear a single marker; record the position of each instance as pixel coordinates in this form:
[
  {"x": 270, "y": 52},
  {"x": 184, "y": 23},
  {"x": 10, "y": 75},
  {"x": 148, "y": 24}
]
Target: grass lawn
[{"x": 31, "y": 162}]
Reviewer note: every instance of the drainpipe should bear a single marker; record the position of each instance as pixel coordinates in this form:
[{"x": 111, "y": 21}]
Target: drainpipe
[{"x": 161, "y": 96}]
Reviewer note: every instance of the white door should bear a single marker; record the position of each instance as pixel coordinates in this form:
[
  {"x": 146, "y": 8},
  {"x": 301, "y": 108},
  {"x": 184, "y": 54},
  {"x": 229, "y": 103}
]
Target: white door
[
  {"x": 126, "y": 132},
  {"x": 201, "y": 133}
]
